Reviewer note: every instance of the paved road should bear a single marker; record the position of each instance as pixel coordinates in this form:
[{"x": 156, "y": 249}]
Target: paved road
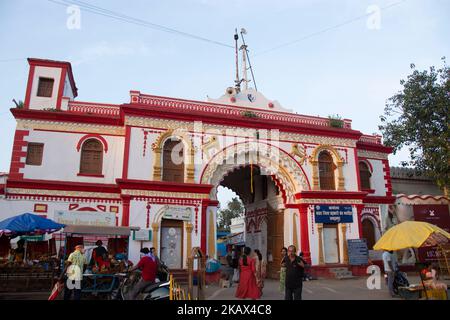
[{"x": 325, "y": 289}]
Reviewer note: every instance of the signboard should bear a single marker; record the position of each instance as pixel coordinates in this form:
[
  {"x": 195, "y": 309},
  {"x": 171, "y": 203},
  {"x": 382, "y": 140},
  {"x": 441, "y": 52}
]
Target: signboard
[
  {"x": 358, "y": 254},
  {"x": 434, "y": 214},
  {"x": 86, "y": 218},
  {"x": 142, "y": 235},
  {"x": 333, "y": 214},
  {"x": 177, "y": 213}
]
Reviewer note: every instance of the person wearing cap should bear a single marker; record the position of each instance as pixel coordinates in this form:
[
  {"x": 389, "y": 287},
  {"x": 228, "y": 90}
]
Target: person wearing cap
[{"x": 74, "y": 273}]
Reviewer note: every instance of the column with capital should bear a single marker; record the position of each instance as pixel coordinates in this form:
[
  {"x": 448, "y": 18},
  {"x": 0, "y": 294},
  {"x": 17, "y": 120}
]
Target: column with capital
[{"x": 155, "y": 228}]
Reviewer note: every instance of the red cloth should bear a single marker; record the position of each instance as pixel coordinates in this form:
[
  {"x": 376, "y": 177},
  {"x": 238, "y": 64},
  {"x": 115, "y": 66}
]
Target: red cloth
[
  {"x": 148, "y": 267},
  {"x": 247, "y": 287}
]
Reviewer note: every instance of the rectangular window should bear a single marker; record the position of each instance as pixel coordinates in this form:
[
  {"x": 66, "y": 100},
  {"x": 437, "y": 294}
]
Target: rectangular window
[
  {"x": 45, "y": 87},
  {"x": 34, "y": 153}
]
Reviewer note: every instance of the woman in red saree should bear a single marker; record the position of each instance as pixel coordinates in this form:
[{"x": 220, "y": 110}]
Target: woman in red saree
[{"x": 247, "y": 287}]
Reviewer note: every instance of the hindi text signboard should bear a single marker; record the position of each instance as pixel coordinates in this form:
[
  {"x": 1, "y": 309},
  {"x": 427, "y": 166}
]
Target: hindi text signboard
[
  {"x": 358, "y": 254},
  {"x": 85, "y": 218},
  {"x": 333, "y": 214}
]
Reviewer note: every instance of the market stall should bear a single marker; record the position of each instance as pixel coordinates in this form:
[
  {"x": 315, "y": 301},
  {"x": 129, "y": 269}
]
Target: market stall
[
  {"x": 98, "y": 279},
  {"x": 32, "y": 265}
]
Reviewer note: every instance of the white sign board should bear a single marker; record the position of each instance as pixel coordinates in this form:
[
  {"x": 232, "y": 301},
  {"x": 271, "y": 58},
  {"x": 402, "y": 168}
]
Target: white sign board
[
  {"x": 86, "y": 218},
  {"x": 142, "y": 235},
  {"x": 177, "y": 213}
]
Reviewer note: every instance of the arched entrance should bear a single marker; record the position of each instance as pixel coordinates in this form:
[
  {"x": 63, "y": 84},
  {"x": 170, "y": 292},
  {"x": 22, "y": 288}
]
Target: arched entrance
[
  {"x": 369, "y": 233},
  {"x": 265, "y": 185}
]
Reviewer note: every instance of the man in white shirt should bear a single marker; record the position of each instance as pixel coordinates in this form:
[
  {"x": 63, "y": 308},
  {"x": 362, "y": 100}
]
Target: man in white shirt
[{"x": 390, "y": 265}]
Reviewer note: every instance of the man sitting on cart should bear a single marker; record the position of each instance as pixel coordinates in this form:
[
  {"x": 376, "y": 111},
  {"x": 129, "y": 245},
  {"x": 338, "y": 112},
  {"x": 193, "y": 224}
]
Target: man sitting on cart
[
  {"x": 148, "y": 266},
  {"x": 99, "y": 256}
]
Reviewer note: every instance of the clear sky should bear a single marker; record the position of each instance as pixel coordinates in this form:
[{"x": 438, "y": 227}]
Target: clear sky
[{"x": 344, "y": 62}]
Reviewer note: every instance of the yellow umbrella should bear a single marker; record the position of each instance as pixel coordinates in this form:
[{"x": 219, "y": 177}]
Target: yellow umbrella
[{"x": 411, "y": 234}]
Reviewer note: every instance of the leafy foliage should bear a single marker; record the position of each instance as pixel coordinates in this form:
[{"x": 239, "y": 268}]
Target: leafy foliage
[
  {"x": 417, "y": 117},
  {"x": 234, "y": 209},
  {"x": 336, "y": 121}
]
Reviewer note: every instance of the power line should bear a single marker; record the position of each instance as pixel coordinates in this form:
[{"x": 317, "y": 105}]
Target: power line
[
  {"x": 325, "y": 30},
  {"x": 125, "y": 18}
]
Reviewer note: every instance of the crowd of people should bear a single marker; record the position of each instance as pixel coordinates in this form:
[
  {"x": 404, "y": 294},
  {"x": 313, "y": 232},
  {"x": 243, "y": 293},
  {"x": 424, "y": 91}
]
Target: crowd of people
[{"x": 249, "y": 269}]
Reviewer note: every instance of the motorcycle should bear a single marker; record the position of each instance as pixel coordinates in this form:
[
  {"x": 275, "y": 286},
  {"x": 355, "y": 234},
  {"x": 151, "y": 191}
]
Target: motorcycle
[{"x": 160, "y": 290}]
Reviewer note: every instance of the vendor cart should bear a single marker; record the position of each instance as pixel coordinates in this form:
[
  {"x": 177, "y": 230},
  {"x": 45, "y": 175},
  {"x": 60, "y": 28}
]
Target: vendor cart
[{"x": 99, "y": 282}]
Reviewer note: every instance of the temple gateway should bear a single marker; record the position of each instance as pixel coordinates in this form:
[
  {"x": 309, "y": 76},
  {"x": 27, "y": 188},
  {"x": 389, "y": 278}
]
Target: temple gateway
[{"x": 156, "y": 162}]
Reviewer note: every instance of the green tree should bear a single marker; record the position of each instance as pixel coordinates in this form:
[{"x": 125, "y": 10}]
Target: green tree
[
  {"x": 417, "y": 117},
  {"x": 234, "y": 209}
]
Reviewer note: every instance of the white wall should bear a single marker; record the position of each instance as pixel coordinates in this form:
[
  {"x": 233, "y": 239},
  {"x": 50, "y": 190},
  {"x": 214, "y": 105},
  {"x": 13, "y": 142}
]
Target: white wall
[
  {"x": 377, "y": 181},
  {"x": 61, "y": 160},
  {"x": 44, "y": 102}
]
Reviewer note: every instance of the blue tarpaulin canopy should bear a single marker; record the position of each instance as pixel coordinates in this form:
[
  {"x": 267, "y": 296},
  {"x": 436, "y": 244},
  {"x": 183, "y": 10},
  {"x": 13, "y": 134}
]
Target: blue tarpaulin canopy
[{"x": 28, "y": 224}]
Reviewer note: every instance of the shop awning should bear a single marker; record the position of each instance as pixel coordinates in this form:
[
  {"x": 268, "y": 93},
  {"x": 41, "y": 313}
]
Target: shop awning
[{"x": 100, "y": 231}]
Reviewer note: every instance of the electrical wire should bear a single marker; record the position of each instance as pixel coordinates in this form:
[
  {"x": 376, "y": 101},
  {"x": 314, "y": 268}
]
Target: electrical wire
[
  {"x": 128, "y": 19},
  {"x": 325, "y": 30}
]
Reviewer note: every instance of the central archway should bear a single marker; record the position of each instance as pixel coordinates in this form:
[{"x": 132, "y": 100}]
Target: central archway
[{"x": 264, "y": 226}]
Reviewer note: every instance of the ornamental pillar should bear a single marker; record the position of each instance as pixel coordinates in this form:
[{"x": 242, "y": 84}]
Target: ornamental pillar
[
  {"x": 155, "y": 228},
  {"x": 320, "y": 233},
  {"x": 341, "y": 180},
  {"x": 157, "y": 164},
  {"x": 315, "y": 174},
  {"x": 189, "y": 228},
  {"x": 344, "y": 244}
]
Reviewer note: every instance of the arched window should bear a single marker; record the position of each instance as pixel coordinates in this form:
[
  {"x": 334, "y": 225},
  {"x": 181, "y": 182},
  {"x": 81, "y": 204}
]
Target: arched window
[
  {"x": 364, "y": 175},
  {"x": 368, "y": 233},
  {"x": 173, "y": 161},
  {"x": 91, "y": 161},
  {"x": 326, "y": 171}
]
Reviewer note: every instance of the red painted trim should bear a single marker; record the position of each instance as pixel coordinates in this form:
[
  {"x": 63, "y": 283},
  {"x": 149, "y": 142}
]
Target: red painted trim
[
  {"x": 62, "y": 185},
  {"x": 87, "y": 209},
  {"x": 90, "y": 175},
  {"x": 203, "y": 232},
  {"x": 77, "y": 102},
  {"x": 349, "y": 195},
  {"x": 26, "y": 104},
  {"x": 358, "y": 178},
  {"x": 125, "y": 210},
  {"x": 304, "y": 233},
  {"x": 79, "y": 132},
  {"x": 373, "y": 147},
  {"x": 56, "y": 64},
  {"x": 359, "y": 209},
  {"x": 164, "y": 186},
  {"x": 379, "y": 199},
  {"x": 366, "y": 161},
  {"x": 126, "y": 152},
  {"x": 40, "y": 210},
  {"x": 422, "y": 197},
  {"x": 62, "y": 81},
  {"x": 152, "y": 111},
  {"x": 17, "y": 154},
  {"x": 65, "y": 117},
  {"x": 93, "y": 135},
  {"x": 49, "y": 197},
  {"x": 369, "y": 191},
  {"x": 73, "y": 206}
]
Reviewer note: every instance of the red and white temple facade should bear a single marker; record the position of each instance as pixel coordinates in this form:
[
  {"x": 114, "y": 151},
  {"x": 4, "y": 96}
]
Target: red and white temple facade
[{"x": 124, "y": 182}]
